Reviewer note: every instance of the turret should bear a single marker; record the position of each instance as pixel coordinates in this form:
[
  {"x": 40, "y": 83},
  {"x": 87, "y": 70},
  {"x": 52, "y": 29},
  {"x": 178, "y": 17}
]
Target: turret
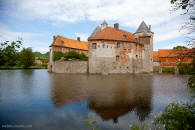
[
  {"x": 144, "y": 35},
  {"x": 104, "y": 25}
]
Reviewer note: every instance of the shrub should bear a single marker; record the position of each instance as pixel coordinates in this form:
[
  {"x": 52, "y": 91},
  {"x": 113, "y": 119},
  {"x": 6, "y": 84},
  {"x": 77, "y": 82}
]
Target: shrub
[
  {"x": 191, "y": 84},
  {"x": 57, "y": 55},
  {"x": 72, "y": 55},
  {"x": 186, "y": 68},
  {"x": 168, "y": 70},
  {"x": 177, "y": 116}
]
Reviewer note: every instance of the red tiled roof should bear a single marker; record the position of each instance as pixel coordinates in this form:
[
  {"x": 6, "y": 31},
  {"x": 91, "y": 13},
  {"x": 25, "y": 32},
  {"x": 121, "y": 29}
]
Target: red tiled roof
[
  {"x": 110, "y": 33},
  {"x": 155, "y": 56},
  {"x": 176, "y": 52},
  {"x": 70, "y": 43}
]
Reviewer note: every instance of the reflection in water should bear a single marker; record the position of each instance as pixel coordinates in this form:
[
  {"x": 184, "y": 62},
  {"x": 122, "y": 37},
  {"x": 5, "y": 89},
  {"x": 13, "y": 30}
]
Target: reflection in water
[
  {"x": 119, "y": 96},
  {"x": 109, "y": 96},
  {"x": 59, "y": 101},
  {"x": 68, "y": 89}
]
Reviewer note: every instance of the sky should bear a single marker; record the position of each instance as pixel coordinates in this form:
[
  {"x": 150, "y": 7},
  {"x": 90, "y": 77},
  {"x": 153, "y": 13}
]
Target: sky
[{"x": 37, "y": 21}]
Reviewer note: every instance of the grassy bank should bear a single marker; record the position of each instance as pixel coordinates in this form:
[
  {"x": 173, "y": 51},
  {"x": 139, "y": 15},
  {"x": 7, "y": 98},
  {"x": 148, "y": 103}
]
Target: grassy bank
[{"x": 20, "y": 67}]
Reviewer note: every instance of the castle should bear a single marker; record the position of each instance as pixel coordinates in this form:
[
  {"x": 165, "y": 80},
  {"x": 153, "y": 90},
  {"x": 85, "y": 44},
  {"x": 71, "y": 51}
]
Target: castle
[{"x": 113, "y": 50}]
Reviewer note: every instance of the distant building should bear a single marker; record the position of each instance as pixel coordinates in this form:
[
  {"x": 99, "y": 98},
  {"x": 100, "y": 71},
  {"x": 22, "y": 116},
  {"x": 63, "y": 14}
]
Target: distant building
[
  {"x": 170, "y": 58},
  {"x": 112, "y": 50},
  {"x": 63, "y": 44}
]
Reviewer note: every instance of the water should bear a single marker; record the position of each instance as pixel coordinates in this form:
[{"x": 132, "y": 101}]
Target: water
[{"x": 42, "y": 100}]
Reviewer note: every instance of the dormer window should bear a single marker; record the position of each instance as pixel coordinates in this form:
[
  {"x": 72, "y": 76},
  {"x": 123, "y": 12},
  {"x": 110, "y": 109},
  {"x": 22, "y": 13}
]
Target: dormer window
[
  {"x": 62, "y": 41},
  {"x": 118, "y": 45}
]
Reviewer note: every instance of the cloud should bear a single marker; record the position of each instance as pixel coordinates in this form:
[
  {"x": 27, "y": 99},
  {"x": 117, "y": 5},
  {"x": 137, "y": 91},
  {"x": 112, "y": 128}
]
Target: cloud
[
  {"x": 6, "y": 34},
  {"x": 83, "y": 36},
  {"x": 128, "y": 13}
]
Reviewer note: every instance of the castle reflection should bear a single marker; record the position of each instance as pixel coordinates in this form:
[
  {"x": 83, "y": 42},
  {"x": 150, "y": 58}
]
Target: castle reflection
[{"x": 108, "y": 96}]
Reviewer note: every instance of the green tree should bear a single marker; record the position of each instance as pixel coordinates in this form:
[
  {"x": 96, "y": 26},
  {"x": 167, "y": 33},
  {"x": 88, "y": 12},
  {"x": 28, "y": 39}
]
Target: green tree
[
  {"x": 9, "y": 53},
  {"x": 27, "y": 57},
  {"x": 180, "y": 47}
]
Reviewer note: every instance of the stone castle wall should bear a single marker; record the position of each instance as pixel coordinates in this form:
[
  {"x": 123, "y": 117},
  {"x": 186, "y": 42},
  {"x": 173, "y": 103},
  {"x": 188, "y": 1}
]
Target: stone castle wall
[
  {"x": 103, "y": 59},
  {"x": 71, "y": 67}
]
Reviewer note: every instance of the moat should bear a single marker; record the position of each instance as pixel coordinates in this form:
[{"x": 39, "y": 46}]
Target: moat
[{"x": 61, "y": 101}]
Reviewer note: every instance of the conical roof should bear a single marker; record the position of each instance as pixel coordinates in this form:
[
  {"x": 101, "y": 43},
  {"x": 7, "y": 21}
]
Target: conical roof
[
  {"x": 95, "y": 31},
  {"x": 104, "y": 22},
  {"x": 143, "y": 28}
]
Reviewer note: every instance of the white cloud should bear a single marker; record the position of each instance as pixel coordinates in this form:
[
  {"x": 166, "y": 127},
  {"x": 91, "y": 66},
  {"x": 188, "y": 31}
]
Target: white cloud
[
  {"x": 83, "y": 36},
  {"x": 126, "y": 12},
  {"x": 6, "y": 34},
  {"x": 170, "y": 46}
]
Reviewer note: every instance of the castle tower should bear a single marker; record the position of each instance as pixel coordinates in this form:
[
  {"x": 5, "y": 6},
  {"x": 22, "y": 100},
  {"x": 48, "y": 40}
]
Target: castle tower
[
  {"x": 144, "y": 35},
  {"x": 104, "y": 25}
]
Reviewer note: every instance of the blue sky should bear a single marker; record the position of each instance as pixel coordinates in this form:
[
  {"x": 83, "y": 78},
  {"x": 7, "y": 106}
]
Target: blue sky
[{"x": 37, "y": 21}]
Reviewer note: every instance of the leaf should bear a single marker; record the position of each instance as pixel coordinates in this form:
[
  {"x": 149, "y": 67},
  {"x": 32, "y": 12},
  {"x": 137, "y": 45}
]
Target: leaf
[
  {"x": 87, "y": 122},
  {"x": 94, "y": 122}
]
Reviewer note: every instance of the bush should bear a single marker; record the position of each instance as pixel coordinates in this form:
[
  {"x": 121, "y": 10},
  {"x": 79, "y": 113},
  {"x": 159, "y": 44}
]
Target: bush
[
  {"x": 177, "y": 116},
  {"x": 57, "y": 55},
  {"x": 73, "y": 55},
  {"x": 168, "y": 70},
  {"x": 186, "y": 68},
  {"x": 191, "y": 84}
]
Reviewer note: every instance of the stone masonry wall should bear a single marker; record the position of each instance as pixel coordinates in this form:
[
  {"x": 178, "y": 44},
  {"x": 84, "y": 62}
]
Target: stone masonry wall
[
  {"x": 102, "y": 60},
  {"x": 74, "y": 67}
]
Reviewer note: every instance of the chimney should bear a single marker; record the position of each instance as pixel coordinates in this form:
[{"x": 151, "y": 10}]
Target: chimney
[
  {"x": 150, "y": 27},
  {"x": 54, "y": 38},
  {"x": 78, "y": 39},
  {"x": 116, "y": 26}
]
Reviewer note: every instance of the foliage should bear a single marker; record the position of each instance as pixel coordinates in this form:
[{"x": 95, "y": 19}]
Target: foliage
[
  {"x": 186, "y": 68},
  {"x": 57, "y": 55},
  {"x": 180, "y": 47},
  {"x": 136, "y": 127},
  {"x": 72, "y": 55},
  {"x": 8, "y": 53},
  {"x": 90, "y": 123},
  {"x": 41, "y": 56},
  {"x": 26, "y": 57},
  {"x": 168, "y": 70},
  {"x": 177, "y": 116},
  {"x": 191, "y": 84}
]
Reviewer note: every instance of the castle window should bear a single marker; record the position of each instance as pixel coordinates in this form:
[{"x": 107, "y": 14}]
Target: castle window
[
  {"x": 63, "y": 50},
  {"x": 69, "y": 49},
  {"x": 117, "y": 58},
  {"x": 103, "y": 45},
  {"x": 107, "y": 46},
  {"x": 136, "y": 56},
  {"x": 118, "y": 45},
  {"x": 62, "y": 41},
  {"x": 94, "y": 45}
]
